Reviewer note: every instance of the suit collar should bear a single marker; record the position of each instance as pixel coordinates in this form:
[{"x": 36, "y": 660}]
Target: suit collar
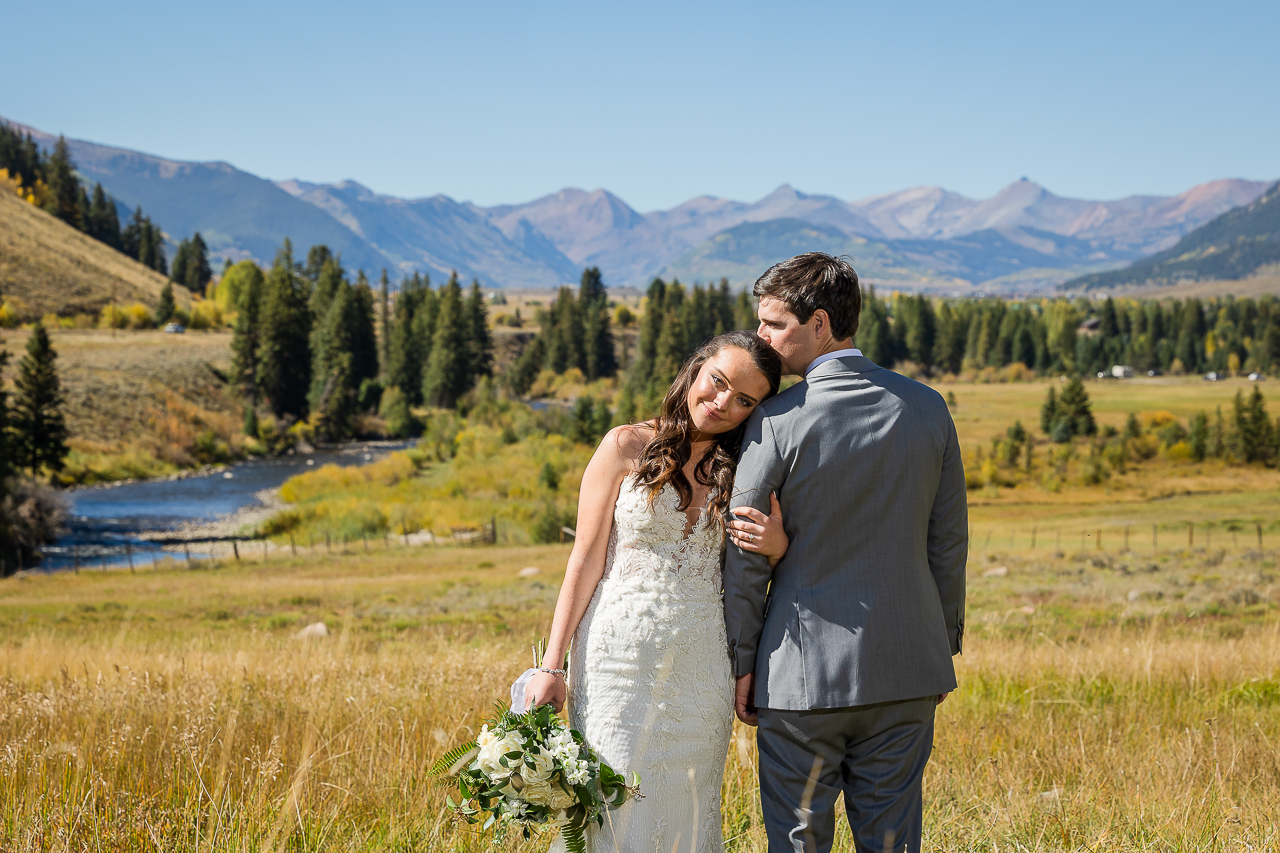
[{"x": 843, "y": 364}]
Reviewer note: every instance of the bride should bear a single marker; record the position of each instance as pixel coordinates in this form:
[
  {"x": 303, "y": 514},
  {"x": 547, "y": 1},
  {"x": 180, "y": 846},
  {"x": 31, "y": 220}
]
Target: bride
[{"x": 650, "y": 687}]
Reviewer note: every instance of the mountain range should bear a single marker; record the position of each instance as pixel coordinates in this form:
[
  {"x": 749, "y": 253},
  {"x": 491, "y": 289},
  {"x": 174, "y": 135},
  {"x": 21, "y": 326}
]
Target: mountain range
[
  {"x": 1235, "y": 245},
  {"x": 1022, "y": 239}
]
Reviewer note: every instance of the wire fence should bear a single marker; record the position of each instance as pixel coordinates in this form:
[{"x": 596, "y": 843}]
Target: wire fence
[
  {"x": 1127, "y": 537},
  {"x": 140, "y": 554}
]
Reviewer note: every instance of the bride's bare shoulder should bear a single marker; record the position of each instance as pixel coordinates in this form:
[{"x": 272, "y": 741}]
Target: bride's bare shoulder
[{"x": 625, "y": 443}]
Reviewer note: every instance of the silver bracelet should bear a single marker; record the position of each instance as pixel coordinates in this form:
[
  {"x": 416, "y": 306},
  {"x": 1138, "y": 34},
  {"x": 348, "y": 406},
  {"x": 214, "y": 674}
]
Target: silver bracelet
[{"x": 550, "y": 671}]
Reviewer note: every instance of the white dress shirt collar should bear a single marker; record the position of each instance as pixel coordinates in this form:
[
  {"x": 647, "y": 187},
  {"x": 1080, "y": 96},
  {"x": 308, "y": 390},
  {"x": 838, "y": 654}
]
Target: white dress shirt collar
[{"x": 827, "y": 356}]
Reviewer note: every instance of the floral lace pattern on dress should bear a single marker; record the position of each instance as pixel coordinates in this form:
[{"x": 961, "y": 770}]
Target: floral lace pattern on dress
[{"x": 650, "y": 685}]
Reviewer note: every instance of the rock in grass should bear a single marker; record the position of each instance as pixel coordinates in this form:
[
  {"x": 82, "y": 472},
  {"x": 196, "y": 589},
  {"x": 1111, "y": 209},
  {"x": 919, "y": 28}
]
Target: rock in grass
[
  {"x": 315, "y": 629},
  {"x": 997, "y": 572},
  {"x": 529, "y": 571}
]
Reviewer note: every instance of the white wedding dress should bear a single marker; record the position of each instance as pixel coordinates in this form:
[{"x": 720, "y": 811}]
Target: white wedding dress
[{"x": 650, "y": 684}]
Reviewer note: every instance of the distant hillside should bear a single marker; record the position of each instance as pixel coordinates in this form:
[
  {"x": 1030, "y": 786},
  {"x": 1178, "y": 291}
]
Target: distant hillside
[
  {"x": 743, "y": 252},
  {"x": 52, "y": 267},
  {"x": 1233, "y": 246}
]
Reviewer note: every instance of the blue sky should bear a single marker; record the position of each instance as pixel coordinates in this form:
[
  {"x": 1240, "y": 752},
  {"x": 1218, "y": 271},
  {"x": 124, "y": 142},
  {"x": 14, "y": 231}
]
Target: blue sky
[{"x": 659, "y": 101}]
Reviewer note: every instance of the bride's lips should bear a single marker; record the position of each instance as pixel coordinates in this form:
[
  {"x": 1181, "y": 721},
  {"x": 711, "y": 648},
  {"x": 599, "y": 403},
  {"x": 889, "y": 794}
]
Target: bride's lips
[{"x": 711, "y": 413}]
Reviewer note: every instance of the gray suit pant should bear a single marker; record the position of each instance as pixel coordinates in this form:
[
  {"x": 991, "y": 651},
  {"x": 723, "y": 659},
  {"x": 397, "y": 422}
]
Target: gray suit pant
[{"x": 875, "y": 754}]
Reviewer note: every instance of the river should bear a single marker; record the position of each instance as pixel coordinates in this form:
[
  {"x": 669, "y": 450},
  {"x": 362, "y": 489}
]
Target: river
[{"x": 111, "y": 525}]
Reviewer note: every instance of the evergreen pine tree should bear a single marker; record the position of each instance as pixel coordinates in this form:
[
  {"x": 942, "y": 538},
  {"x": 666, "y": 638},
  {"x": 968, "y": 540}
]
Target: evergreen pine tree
[
  {"x": 525, "y": 371},
  {"x": 650, "y": 330},
  {"x": 316, "y": 257},
  {"x": 181, "y": 258},
  {"x": 1049, "y": 411},
  {"x": 246, "y": 335},
  {"x": 480, "y": 341},
  {"x": 39, "y": 430},
  {"x": 284, "y": 352},
  {"x": 422, "y": 335},
  {"x": 744, "y": 312},
  {"x": 598, "y": 356},
  {"x": 198, "y": 273},
  {"x": 333, "y": 383},
  {"x": 1199, "y": 439},
  {"x": 1075, "y": 408},
  {"x": 446, "y": 377},
  {"x": 722, "y": 309},
  {"x": 406, "y": 346},
  {"x": 104, "y": 221},
  {"x": 364, "y": 335},
  {"x": 1256, "y": 430},
  {"x": 165, "y": 307},
  {"x": 6, "y": 452},
  {"x": 384, "y": 325},
  {"x": 670, "y": 351},
  {"x": 1218, "y": 437},
  {"x": 251, "y": 421},
  {"x": 64, "y": 186}
]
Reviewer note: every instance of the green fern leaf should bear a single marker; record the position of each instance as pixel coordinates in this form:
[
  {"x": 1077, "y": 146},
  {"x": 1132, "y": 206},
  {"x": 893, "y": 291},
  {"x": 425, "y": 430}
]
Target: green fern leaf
[{"x": 454, "y": 760}]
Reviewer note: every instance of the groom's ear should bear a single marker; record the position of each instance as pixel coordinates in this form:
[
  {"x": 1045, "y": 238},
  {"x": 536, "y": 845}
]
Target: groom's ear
[{"x": 821, "y": 322}]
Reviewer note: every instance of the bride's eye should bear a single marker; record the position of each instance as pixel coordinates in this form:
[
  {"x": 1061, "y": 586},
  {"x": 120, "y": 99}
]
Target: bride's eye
[
  {"x": 744, "y": 402},
  {"x": 716, "y": 379}
]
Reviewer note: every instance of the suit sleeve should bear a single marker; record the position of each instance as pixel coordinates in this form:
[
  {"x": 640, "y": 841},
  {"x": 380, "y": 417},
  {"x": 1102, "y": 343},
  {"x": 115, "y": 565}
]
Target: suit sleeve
[
  {"x": 761, "y": 470},
  {"x": 948, "y": 545}
]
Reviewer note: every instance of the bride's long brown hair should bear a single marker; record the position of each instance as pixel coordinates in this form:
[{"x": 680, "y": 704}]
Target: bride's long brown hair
[{"x": 663, "y": 459}]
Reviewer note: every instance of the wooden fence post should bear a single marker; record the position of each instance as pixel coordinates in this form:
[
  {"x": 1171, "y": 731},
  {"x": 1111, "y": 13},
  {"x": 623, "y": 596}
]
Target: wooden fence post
[
  {"x": 1098, "y": 545},
  {"x": 1259, "y": 536},
  {"x": 293, "y": 546},
  {"x": 1033, "y": 536},
  {"x": 128, "y": 549},
  {"x": 235, "y": 547},
  {"x": 1191, "y": 534}
]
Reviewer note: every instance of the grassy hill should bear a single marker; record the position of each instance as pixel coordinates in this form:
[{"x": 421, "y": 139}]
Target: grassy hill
[
  {"x": 1234, "y": 246},
  {"x": 53, "y": 268}
]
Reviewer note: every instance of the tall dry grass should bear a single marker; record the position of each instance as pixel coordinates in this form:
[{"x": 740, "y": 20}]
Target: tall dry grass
[{"x": 172, "y": 710}]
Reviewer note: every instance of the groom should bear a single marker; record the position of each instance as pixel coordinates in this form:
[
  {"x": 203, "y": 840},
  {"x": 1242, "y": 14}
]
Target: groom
[{"x": 844, "y": 650}]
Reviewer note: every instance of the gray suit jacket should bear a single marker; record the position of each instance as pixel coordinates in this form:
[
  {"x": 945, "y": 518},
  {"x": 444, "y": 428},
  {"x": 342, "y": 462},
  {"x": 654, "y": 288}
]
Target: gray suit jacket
[{"x": 867, "y": 606}]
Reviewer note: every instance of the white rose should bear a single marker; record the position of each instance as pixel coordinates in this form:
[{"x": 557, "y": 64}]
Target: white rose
[
  {"x": 491, "y": 754},
  {"x": 544, "y": 764},
  {"x": 560, "y": 798},
  {"x": 485, "y": 737},
  {"x": 538, "y": 793}
]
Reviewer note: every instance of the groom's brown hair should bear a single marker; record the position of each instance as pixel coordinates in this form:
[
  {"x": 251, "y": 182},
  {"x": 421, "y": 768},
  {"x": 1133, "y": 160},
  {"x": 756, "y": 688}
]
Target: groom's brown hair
[{"x": 816, "y": 280}]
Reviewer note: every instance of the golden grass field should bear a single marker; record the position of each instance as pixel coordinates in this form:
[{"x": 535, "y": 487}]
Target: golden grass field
[
  {"x": 53, "y": 268},
  {"x": 1108, "y": 701},
  {"x": 137, "y": 401}
]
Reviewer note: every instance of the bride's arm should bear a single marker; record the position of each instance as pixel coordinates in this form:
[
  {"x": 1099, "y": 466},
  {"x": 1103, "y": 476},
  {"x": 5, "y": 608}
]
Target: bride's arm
[{"x": 596, "y": 498}]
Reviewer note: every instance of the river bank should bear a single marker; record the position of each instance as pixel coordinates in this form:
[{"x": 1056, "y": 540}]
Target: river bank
[{"x": 148, "y": 519}]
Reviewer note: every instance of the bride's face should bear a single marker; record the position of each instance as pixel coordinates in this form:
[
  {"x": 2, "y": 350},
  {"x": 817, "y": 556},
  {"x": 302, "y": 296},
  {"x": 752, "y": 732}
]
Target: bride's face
[{"x": 727, "y": 388}]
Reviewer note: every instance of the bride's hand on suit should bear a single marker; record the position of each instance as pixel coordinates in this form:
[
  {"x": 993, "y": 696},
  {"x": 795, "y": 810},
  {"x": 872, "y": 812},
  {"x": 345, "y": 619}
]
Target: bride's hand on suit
[{"x": 752, "y": 530}]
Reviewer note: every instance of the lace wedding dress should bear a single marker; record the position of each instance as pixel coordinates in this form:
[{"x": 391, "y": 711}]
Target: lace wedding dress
[{"x": 650, "y": 685}]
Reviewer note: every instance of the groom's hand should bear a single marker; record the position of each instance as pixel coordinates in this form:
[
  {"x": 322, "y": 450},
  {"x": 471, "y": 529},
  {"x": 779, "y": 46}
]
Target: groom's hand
[{"x": 744, "y": 699}]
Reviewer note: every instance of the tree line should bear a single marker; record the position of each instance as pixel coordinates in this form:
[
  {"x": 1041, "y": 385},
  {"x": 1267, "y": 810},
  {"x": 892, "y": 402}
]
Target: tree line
[
  {"x": 50, "y": 182},
  {"x": 305, "y": 343},
  {"x": 1072, "y": 337}
]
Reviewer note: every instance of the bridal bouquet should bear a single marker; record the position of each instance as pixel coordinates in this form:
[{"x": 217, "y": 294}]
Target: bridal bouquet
[{"x": 532, "y": 771}]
